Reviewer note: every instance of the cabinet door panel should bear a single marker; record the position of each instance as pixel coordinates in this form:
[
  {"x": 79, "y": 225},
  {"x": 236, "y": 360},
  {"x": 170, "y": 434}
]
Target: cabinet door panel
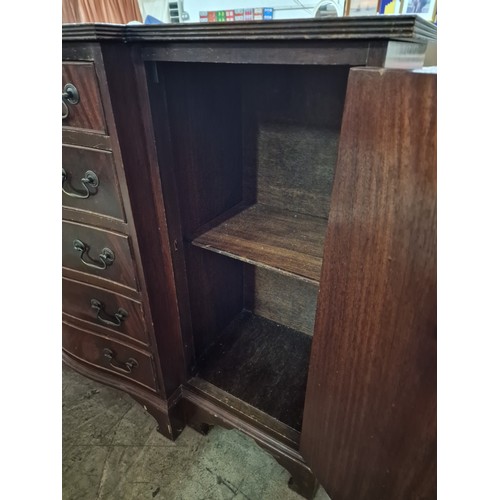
[{"x": 369, "y": 428}]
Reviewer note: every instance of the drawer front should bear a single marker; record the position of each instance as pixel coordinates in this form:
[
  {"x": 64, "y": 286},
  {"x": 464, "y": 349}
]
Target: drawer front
[
  {"x": 98, "y": 252},
  {"x": 86, "y": 114},
  {"x": 90, "y": 183},
  {"x": 109, "y": 355},
  {"x": 123, "y": 317}
]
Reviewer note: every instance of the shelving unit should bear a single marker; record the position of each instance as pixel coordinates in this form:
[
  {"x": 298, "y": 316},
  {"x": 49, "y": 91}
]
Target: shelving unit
[
  {"x": 252, "y": 155},
  {"x": 287, "y": 242}
]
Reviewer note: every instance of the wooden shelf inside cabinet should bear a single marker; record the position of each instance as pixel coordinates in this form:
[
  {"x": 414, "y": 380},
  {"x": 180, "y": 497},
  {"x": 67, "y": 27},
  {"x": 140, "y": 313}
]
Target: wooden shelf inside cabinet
[{"x": 281, "y": 240}]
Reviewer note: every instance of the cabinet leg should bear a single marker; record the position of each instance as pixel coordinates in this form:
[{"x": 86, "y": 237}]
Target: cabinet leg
[
  {"x": 304, "y": 484},
  {"x": 169, "y": 422},
  {"x": 201, "y": 427}
]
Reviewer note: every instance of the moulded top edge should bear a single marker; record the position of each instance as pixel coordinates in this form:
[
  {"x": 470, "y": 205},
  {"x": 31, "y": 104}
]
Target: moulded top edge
[{"x": 368, "y": 27}]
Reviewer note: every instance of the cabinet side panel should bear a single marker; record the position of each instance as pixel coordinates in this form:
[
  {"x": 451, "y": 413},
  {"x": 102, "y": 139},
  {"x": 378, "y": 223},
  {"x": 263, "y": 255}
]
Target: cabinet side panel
[
  {"x": 129, "y": 96},
  {"x": 202, "y": 127},
  {"x": 370, "y": 417}
]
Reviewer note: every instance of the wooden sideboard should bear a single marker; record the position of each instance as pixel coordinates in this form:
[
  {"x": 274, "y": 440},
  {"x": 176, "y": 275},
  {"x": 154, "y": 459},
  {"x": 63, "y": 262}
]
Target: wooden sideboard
[{"x": 249, "y": 237}]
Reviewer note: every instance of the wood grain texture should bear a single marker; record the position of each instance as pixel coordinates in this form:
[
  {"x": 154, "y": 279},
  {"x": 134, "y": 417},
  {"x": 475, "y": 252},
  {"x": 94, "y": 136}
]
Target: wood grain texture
[
  {"x": 106, "y": 197},
  {"x": 88, "y": 347},
  {"x": 88, "y": 113},
  {"x": 267, "y": 53},
  {"x": 76, "y": 302},
  {"x": 121, "y": 270},
  {"x": 280, "y": 240},
  {"x": 291, "y": 125},
  {"x": 242, "y": 410},
  {"x": 204, "y": 143},
  {"x": 85, "y": 138},
  {"x": 281, "y": 298},
  {"x": 370, "y": 416},
  {"x": 409, "y": 27},
  {"x": 153, "y": 244},
  {"x": 215, "y": 294}
]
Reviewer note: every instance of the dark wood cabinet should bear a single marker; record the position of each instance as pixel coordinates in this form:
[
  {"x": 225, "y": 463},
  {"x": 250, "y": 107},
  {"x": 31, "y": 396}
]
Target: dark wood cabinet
[{"x": 268, "y": 195}]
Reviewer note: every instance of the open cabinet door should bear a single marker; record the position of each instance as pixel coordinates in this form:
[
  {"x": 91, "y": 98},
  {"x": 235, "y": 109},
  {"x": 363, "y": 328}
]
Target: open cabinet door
[{"x": 369, "y": 428}]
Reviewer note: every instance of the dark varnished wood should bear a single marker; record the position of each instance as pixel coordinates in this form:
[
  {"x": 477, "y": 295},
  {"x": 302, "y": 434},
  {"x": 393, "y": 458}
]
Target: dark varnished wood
[
  {"x": 204, "y": 144},
  {"x": 110, "y": 70},
  {"x": 198, "y": 142},
  {"x": 106, "y": 198},
  {"x": 86, "y": 139},
  {"x": 291, "y": 124},
  {"x": 111, "y": 286},
  {"x": 264, "y": 295},
  {"x": 76, "y": 302},
  {"x": 215, "y": 294},
  {"x": 142, "y": 183},
  {"x": 88, "y": 347},
  {"x": 263, "y": 363},
  {"x": 276, "y": 429},
  {"x": 373, "y": 360},
  {"x": 122, "y": 270},
  {"x": 95, "y": 219},
  {"x": 281, "y": 240},
  {"x": 410, "y": 27},
  {"x": 296, "y": 53},
  {"x": 205, "y": 406},
  {"x": 88, "y": 113}
]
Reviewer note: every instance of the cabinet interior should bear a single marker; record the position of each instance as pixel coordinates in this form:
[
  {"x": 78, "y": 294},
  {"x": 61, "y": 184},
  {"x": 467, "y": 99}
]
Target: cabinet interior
[{"x": 251, "y": 158}]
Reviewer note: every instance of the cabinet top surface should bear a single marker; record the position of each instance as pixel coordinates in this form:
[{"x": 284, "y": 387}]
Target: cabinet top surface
[{"x": 397, "y": 27}]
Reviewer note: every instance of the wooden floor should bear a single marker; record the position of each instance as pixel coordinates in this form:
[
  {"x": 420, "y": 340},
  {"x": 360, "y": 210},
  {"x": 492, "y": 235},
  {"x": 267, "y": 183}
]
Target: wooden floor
[{"x": 262, "y": 363}]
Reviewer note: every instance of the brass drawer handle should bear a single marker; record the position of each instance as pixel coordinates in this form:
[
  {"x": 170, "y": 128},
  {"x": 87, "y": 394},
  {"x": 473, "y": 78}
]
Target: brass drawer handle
[
  {"x": 114, "y": 320},
  {"x": 106, "y": 257},
  {"x": 126, "y": 367},
  {"x": 70, "y": 95},
  {"x": 89, "y": 180}
]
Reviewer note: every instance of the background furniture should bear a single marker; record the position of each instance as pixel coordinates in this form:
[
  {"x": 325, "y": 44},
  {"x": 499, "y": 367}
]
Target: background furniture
[{"x": 265, "y": 215}]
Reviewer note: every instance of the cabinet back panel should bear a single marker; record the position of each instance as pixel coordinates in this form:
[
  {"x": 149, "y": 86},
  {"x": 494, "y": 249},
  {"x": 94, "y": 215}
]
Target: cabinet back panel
[
  {"x": 292, "y": 117},
  {"x": 281, "y": 298},
  {"x": 257, "y": 133}
]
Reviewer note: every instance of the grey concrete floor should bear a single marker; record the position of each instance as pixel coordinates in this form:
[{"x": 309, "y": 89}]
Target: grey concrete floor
[{"x": 111, "y": 450}]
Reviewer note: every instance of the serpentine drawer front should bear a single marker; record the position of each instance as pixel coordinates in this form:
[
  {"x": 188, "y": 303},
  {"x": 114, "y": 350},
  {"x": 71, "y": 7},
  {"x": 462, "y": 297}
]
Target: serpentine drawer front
[
  {"x": 108, "y": 329},
  {"x": 89, "y": 182},
  {"x": 109, "y": 355},
  {"x": 123, "y": 318},
  {"x": 81, "y": 100},
  {"x": 95, "y": 251}
]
